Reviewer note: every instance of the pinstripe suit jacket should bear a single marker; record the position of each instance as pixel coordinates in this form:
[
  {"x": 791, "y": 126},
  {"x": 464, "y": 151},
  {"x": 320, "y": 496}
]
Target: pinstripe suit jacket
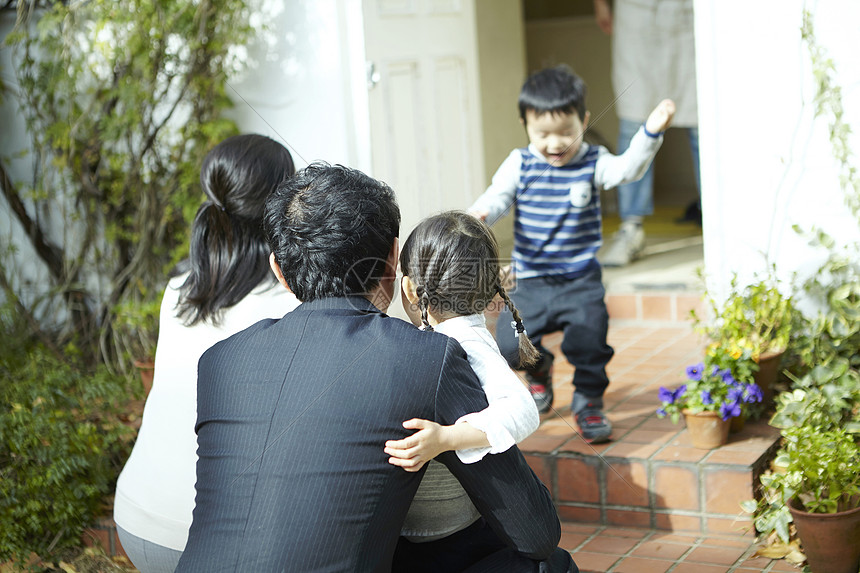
[{"x": 292, "y": 418}]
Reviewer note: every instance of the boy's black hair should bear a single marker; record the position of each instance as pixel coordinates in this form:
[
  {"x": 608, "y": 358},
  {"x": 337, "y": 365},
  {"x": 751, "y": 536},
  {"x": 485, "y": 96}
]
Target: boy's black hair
[
  {"x": 228, "y": 254},
  {"x": 553, "y": 90},
  {"x": 331, "y": 229},
  {"x": 453, "y": 260}
]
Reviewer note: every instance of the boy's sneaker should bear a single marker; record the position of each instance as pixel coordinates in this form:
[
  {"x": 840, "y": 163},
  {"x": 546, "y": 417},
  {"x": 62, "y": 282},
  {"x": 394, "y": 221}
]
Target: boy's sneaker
[
  {"x": 594, "y": 426},
  {"x": 626, "y": 246},
  {"x": 540, "y": 383}
]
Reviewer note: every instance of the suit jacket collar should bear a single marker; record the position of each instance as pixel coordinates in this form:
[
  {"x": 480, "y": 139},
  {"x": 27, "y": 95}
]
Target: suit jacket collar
[{"x": 353, "y": 302}]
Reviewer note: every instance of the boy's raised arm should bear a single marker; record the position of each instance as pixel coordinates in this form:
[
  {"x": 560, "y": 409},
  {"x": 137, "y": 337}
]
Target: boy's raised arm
[
  {"x": 613, "y": 170},
  {"x": 660, "y": 118}
]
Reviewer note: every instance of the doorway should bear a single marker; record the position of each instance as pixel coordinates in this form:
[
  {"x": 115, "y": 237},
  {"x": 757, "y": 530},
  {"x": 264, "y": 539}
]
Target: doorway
[{"x": 564, "y": 32}]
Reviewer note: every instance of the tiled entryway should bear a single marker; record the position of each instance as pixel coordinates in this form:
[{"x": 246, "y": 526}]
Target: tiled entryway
[
  {"x": 635, "y": 550},
  {"x": 648, "y": 500}
]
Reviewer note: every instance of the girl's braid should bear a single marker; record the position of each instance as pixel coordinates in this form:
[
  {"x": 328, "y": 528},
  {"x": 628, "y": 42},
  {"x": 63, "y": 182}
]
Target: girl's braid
[
  {"x": 423, "y": 305},
  {"x": 529, "y": 355}
]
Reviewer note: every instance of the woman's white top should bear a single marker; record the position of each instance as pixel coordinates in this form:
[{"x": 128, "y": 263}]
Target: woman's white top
[
  {"x": 155, "y": 491},
  {"x": 441, "y": 506}
]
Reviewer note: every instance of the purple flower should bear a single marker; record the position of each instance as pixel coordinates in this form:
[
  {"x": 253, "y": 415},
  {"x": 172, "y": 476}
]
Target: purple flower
[
  {"x": 730, "y": 410},
  {"x": 694, "y": 372},
  {"x": 753, "y": 393},
  {"x": 727, "y": 376},
  {"x": 735, "y": 394},
  {"x": 706, "y": 397},
  {"x": 661, "y": 412},
  {"x": 668, "y": 396}
]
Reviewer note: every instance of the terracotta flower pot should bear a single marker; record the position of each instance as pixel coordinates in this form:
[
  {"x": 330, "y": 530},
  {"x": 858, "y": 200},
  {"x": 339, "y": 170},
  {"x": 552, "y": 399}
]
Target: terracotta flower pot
[
  {"x": 707, "y": 429},
  {"x": 831, "y": 541},
  {"x": 147, "y": 372},
  {"x": 768, "y": 370}
]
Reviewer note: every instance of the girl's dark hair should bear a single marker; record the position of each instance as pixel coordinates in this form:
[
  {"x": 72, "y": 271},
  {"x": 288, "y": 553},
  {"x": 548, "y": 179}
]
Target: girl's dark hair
[
  {"x": 553, "y": 90},
  {"x": 229, "y": 255},
  {"x": 453, "y": 261}
]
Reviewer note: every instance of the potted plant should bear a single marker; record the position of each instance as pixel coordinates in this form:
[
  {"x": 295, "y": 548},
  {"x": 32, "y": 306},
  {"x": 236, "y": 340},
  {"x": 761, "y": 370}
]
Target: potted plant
[
  {"x": 718, "y": 389},
  {"x": 815, "y": 472},
  {"x": 756, "y": 318},
  {"x": 815, "y": 484}
]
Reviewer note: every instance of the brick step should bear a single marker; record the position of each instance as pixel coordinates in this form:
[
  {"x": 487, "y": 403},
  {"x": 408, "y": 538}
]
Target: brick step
[
  {"x": 103, "y": 534},
  {"x": 651, "y": 476},
  {"x": 654, "y": 306}
]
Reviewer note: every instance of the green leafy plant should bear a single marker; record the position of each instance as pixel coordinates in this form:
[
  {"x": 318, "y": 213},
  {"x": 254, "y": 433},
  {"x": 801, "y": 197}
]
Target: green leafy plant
[
  {"x": 820, "y": 469},
  {"x": 827, "y": 397},
  {"x": 832, "y": 335},
  {"x": 823, "y": 401},
  {"x": 719, "y": 384},
  {"x": 62, "y": 441},
  {"x": 756, "y": 317},
  {"x": 817, "y": 469},
  {"x": 121, "y": 99}
]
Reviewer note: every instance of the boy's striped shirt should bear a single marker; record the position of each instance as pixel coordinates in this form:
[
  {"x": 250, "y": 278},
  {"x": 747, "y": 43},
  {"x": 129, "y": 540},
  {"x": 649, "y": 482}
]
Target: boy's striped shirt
[{"x": 557, "y": 226}]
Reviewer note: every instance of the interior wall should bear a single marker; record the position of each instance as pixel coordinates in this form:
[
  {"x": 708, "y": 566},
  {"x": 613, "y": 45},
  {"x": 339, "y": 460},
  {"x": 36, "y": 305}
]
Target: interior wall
[
  {"x": 502, "y": 69},
  {"x": 560, "y": 32}
]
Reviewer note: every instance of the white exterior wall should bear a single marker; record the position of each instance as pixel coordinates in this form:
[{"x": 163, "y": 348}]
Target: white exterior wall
[
  {"x": 766, "y": 161},
  {"x": 305, "y": 84}
]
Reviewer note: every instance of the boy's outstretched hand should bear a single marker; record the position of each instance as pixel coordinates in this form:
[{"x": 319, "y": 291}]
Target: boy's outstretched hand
[
  {"x": 661, "y": 118},
  {"x": 411, "y": 453}
]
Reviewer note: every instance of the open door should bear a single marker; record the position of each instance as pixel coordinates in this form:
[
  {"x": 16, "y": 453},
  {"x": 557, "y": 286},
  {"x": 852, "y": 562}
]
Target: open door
[{"x": 425, "y": 125}]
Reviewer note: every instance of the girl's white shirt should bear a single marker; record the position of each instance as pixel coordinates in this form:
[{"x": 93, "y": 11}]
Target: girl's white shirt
[{"x": 512, "y": 414}]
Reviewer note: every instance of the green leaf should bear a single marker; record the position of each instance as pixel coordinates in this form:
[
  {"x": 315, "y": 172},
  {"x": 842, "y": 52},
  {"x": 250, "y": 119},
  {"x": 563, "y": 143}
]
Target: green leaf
[
  {"x": 780, "y": 524},
  {"x": 749, "y": 505}
]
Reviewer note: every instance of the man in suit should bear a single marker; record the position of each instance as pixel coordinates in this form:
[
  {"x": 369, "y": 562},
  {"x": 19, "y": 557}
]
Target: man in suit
[{"x": 293, "y": 413}]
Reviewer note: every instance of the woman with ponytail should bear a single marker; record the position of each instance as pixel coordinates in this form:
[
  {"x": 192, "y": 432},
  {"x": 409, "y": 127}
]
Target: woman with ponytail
[
  {"x": 451, "y": 274},
  {"x": 224, "y": 286}
]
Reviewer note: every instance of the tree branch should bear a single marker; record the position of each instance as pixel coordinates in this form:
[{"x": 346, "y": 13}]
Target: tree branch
[
  {"x": 50, "y": 254},
  {"x": 34, "y": 324}
]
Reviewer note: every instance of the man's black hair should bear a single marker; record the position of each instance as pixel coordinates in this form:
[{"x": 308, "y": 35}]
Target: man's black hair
[
  {"x": 331, "y": 229},
  {"x": 553, "y": 90}
]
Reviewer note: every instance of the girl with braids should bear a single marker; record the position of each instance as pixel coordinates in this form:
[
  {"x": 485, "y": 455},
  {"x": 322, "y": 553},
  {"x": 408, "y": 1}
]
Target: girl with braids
[
  {"x": 223, "y": 287},
  {"x": 450, "y": 266}
]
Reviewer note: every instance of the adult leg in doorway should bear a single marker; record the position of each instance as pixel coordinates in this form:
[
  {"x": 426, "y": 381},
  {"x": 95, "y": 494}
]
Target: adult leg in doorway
[{"x": 635, "y": 202}]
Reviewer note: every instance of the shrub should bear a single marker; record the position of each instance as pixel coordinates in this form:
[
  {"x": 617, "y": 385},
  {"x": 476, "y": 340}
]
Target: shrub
[{"x": 62, "y": 443}]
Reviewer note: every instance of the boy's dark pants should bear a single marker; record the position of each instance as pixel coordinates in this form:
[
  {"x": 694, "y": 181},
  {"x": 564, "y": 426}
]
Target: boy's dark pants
[{"x": 576, "y": 306}]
